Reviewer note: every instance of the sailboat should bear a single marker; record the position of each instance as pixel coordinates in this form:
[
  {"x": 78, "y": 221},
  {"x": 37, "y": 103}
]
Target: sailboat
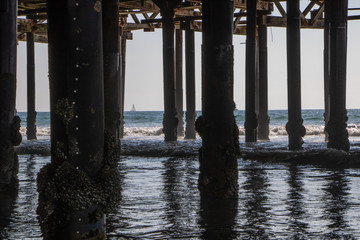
[{"x": 133, "y": 108}]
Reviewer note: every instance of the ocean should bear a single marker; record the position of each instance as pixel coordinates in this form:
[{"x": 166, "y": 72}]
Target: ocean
[
  {"x": 160, "y": 199},
  {"x": 149, "y": 123}
]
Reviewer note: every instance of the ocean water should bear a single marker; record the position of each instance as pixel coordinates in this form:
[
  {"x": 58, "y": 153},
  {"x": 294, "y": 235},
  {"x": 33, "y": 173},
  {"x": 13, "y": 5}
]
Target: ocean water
[
  {"x": 160, "y": 199},
  {"x": 149, "y": 123}
]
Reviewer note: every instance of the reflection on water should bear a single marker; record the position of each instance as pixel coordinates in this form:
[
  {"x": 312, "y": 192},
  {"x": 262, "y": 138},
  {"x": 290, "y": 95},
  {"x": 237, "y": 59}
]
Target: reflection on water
[
  {"x": 335, "y": 198},
  {"x": 160, "y": 200},
  {"x": 217, "y": 218},
  {"x": 295, "y": 203},
  {"x": 255, "y": 202},
  {"x": 7, "y": 204},
  {"x": 180, "y": 197}
]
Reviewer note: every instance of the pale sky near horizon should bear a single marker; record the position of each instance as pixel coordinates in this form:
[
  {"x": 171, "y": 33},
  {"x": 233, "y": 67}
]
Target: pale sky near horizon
[{"x": 144, "y": 79}]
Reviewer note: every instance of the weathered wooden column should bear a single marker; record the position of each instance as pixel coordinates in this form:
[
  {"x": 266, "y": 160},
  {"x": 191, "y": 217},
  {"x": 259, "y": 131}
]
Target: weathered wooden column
[
  {"x": 31, "y": 113},
  {"x": 190, "y": 83},
  {"x": 122, "y": 81},
  {"x": 327, "y": 65},
  {"x": 112, "y": 101},
  {"x": 78, "y": 184},
  {"x": 250, "y": 77},
  {"x": 9, "y": 123},
  {"x": 294, "y": 127},
  {"x": 263, "y": 124},
  {"x": 179, "y": 82},
  {"x": 170, "y": 120},
  {"x": 217, "y": 126},
  {"x": 336, "y": 127}
]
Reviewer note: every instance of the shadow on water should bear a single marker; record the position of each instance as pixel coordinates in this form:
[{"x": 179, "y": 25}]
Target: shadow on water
[
  {"x": 112, "y": 220},
  {"x": 217, "y": 218},
  {"x": 180, "y": 195},
  {"x": 295, "y": 203},
  {"x": 7, "y": 205},
  {"x": 255, "y": 203},
  {"x": 336, "y": 204}
]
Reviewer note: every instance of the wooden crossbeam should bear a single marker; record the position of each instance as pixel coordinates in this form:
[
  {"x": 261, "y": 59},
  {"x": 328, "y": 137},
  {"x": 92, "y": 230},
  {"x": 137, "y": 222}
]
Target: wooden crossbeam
[
  {"x": 280, "y": 8},
  {"x": 318, "y": 14}
]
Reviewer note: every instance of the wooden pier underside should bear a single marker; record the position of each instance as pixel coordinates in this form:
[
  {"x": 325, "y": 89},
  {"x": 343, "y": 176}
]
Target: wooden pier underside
[{"x": 145, "y": 15}]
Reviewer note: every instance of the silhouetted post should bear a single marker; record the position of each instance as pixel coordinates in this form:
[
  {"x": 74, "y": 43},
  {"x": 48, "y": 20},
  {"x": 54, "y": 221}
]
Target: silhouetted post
[
  {"x": 263, "y": 125},
  {"x": 190, "y": 83},
  {"x": 170, "y": 120},
  {"x": 9, "y": 123},
  {"x": 179, "y": 82},
  {"x": 112, "y": 101},
  {"x": 217, "y": 126},
  {"x": 122, "y": 84},
  {"x": 74, "y": 185},
  {"x": 294, "y": 127},
  {"x": 336, "y": 127},
  {"x": 31, "y": 113},
  {"x": 327, "y": 65},
  {"x": 250, "y": 77}
]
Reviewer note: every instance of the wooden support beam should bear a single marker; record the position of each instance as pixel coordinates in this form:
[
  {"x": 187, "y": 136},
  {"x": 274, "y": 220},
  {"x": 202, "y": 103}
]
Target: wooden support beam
[
  {"x": 263, "y": 125},
  {"x": 217, "y": 127},
  {"x": 111, "y": 59},
  {"x": 123, "y": 40},
  {"x": 77, "y": 125},
  {"x": 318, "y": 14},
  {"x": 170, "y": 120},
  {"x": 250, "y": 76},
  {"x": 9, "y": 124},
  {"x": 336, "y": 127},
  {"x": 280, "y": 8},
  {"x": 190, "y": 82},
  {"x": 31, "y": 112},
  {"x": 327, "y": 67},
  {"x": 294, "y": 126},
  {"x": 179, "y": 81}
]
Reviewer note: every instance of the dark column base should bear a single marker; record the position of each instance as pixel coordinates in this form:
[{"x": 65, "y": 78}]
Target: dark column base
[
  {"x": 9, "y": 163},
  {"x": 72, "y": 205},
  {"x": 190, "y": 126},
  {"x": 338, "y": 136},
  {"x": 218, "y": 172},
  {"x": 31, "y": 127},
  {"x": 9, "y": 166}
]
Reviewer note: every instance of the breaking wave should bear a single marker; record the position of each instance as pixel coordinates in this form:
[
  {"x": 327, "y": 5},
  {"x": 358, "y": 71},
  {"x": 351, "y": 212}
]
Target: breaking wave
[{"x": 311, "y": 130}]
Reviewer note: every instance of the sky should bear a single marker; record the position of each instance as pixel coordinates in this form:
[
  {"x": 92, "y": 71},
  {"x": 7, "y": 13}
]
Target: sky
[{"x": 144, "y": 79}]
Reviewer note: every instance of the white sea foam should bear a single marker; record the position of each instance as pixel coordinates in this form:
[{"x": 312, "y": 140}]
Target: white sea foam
[
  {"x": 40, "y": 131},
  {"x": 311, "y": 130}
]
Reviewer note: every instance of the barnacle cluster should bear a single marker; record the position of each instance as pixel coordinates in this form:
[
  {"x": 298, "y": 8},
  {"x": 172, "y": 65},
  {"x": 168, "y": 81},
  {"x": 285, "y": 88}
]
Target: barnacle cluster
[{"x": 69, "y": 188}]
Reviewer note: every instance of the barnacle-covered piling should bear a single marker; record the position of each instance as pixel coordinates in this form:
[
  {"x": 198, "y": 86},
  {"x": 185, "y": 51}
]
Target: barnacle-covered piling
[
  {"x": 81, "y": 184},
  {"x": 217, "y": 127},
  {"x": 9, "y": 123}
]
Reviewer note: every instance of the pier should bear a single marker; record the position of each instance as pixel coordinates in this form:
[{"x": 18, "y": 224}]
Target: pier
[{"x": 87, "y": 63}]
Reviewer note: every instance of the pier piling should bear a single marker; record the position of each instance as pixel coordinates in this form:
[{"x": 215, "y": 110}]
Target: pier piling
[
  {"x": 31, "y": 113},
  {"x": 190, "y": 82},
  {"x": 326, "y": 66},
  {"x": 217, "y": 126},
  {"x": 9, "y": 123},
  {"x": 122, "y": 82},
  {"x": 112, "y": 96},
  {"x": 263, "y": 124},
  {"x": 168, "y": 30},
  {"x": 294, "y": 127},
  {"x": 250, "y": 77},
  {"x": 179, "y": 82},
  {"x": 77, "y": 125},
  {"x": 336, "y": 127}
]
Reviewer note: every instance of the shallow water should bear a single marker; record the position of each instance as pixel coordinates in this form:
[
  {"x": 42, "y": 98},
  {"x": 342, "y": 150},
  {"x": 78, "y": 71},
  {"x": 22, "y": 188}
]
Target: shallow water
[{"x": 160, "y": 200}]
